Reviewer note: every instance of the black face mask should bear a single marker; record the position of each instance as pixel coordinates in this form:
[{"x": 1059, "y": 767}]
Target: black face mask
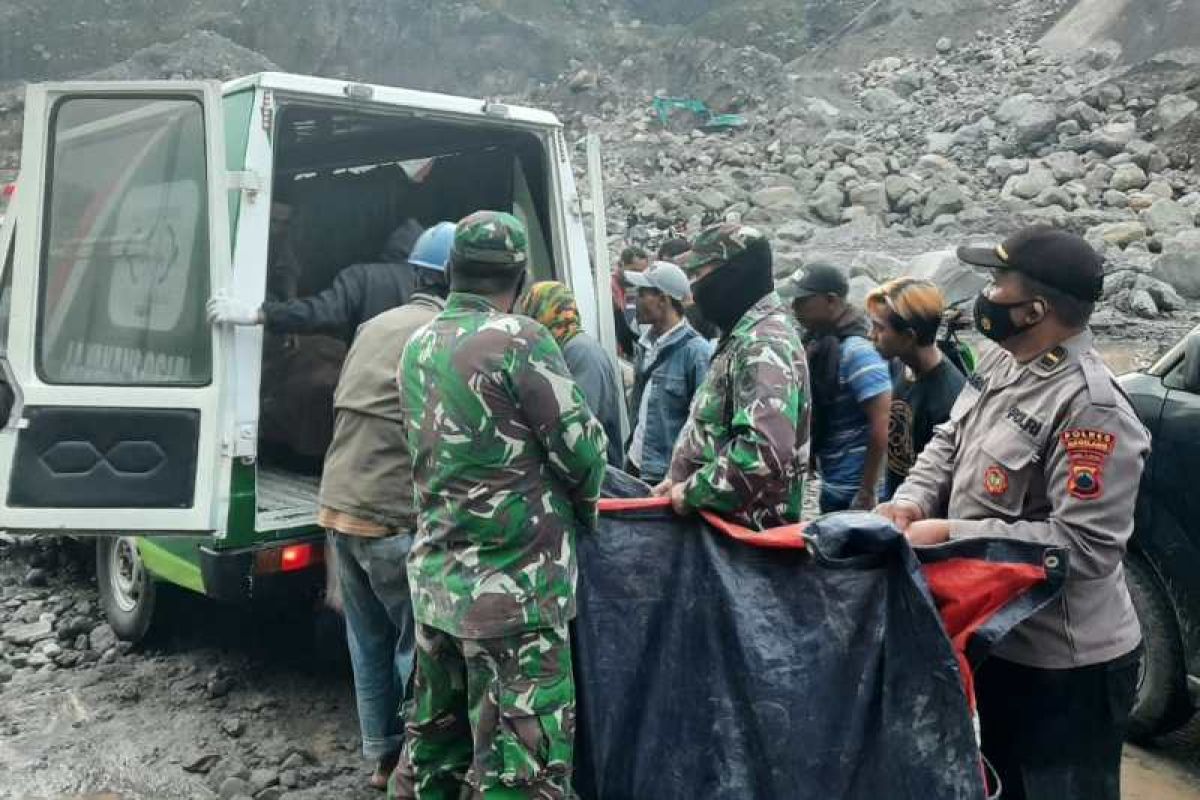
[
  {"x": 993, "y": 320},
  {"x": 728, "y": 292}
]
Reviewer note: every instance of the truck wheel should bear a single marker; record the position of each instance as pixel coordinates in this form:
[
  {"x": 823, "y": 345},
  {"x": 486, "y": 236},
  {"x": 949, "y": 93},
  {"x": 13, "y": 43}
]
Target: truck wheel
[
  {"x": 1162, "y": 703},
  {"x": 128, "y": 593}
]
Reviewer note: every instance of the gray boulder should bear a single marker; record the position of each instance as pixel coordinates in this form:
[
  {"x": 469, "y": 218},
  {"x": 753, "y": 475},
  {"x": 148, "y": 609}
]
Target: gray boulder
[
  {"x": 778, "y": 198},
  {"x": 1054, "y": 196},
  {"x": 1028, "y": 119},
  {"x": 871, "y": 196},
  {"x": 826, "y": 203},
  {"x": 1084, "y": 114},
  {"x": 1029, "y": 185},
  {"x": 1180, "y": 269},
  {"x": 948, "y": 199},
  {"x": 882, "y": 101},
  {"x": 1113, "y": 138},
  {"x": 1066, "y": 165},
  {"x": 1167, "y": 216},
  {"x": 957, "y": 281},
  {"x": 1173, "y": 109},
  {"x": 1128, "y": 177},
  {"x": 902, "y": 191}
]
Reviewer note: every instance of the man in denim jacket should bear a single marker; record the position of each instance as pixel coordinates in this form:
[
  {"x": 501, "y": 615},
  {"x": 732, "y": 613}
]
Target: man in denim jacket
[{"x": 671, "y": 360}]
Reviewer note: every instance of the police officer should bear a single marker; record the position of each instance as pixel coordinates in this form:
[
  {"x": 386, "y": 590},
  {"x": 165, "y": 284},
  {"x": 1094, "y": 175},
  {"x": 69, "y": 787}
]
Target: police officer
[
  {"x": 507, "y": 466},
  {"x": 1042, "y": 446}
]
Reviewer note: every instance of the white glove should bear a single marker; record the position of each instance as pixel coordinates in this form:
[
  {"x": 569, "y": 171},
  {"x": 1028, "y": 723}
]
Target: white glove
[{"x": 224, "y": 310}]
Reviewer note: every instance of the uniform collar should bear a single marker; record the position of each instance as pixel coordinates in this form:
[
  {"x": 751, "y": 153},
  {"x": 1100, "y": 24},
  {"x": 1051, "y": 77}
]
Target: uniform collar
[
  {"x": 465, "y": 301},
  {"x": 768, "y": 304},
  {"x": 1057, "y": 358}
]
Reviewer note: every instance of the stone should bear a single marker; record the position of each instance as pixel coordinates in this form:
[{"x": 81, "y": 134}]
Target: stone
[
  {"x": 1069, "y": 127},
  {"x": 72, "y": 626},
  {"x": 270, "y": 793},
  {"x": 778, "y": 198},
  {"x": 713, "y": 199},
  {"x": 948, "y": 199},
  {"x": 262, "y": 778},
  {"x": 102, "y": 638},
  {"x": 289, "y": 779},
  {"x": 1114, "y": 199},
  {"x": 826, "y": 203},
  {"x": 938, "y": 142},
  {"x": 233, "y": 787},
  {"x": 1113, "y": 138},
  {"x": 860, "y": 287},
  {"x": 6, "y": 672},
  {"x": 1181, "y": 270},
  {"x": 1066, "y": 165},
  {"x": 944, "y": 45},
  {"x": 1005, "y": 168},
  {"x": 1029, "y": 185},
  {"x": 1160, "y": 189},
  {"x": 26, "y": 633},
  {"x": 1054, "y": 196},
  {"x": 1167, "y": 216},
  {"x": 796, "y": 231},
  {"x": 233, "y": 727},
  {"x": 36, "y": 577},
  {"x": 1127, "y": 177},
  {"x": 957, "y": 281},
  {"x": 899, "y": 187},
  {"x": 1173, "y": 109},
  {"x": 1119, "y": 234},
  {"x": 871, "y": 196},
  {"x": 1140, "y": 303},
  {"x": 1028, "y": 119},
  {"x": 1084, "y": 114},
  {"x": 200, "y": 764},
  {"x": 881, "y": 100}
]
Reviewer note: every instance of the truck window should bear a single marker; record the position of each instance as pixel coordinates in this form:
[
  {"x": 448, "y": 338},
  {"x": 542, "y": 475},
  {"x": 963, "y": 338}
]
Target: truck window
[{"x": 125, "y": 262}]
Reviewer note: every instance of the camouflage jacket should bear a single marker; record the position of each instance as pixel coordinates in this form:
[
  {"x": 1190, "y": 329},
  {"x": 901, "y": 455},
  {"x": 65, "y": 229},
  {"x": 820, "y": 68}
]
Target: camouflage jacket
[
  {"x": 744, "y": 449},
  {"x": 507, "y": 464}
]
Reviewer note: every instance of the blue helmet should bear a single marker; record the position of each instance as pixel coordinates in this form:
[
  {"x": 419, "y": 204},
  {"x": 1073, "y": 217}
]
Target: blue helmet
[{"x": 432, "y": 249}]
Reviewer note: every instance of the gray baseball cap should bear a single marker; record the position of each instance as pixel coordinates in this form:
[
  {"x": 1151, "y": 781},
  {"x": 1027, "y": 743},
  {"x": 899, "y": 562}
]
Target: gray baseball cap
[{"x": 663, "y": 276}]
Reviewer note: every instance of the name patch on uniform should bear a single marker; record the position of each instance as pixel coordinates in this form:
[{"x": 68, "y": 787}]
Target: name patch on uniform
[
  {"x": 977, "y": 382},
  {"x": 1087, "y": 451},
  {"x": 1030, "y": 424},
  {"x": 995, "y": 481}
]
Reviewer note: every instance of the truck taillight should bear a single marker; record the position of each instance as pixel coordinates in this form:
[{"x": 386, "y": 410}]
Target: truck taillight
[{"x": 290, "y": 558}]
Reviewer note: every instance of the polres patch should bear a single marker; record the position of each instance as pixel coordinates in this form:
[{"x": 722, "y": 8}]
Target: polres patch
[
  {"x": 1087, "y": 451},
  {"x": 995, "y": 480}
]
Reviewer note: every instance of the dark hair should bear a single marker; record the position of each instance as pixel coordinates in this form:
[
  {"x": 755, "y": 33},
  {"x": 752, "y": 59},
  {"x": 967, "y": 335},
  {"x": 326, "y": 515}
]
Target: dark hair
[
  {"x": 477, "y": 277},
  {"x": 1073, "y": 311},
  {"x": 431, "y": 281},
  {"x": 673, "y": 247},
  {"x": 634, "y": 253}
]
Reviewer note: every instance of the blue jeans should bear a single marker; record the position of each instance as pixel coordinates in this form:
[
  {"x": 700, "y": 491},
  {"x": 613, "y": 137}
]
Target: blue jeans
[
  {"x": 379, "y": 632},
  {"x": 834, "y": 499}
]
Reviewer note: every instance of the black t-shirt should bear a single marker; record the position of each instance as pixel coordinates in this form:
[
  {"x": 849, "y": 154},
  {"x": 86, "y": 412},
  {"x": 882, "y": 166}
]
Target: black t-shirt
[{"x": 917, "y": 408}]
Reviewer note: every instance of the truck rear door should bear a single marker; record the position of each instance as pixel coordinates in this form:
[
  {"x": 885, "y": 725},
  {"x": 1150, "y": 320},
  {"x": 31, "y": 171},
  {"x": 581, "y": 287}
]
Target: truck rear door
[{"x": 121, "y": 234}]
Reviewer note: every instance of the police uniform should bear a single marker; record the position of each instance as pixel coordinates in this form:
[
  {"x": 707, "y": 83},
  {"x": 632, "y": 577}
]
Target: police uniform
[{"x": 1048, "y": 451}]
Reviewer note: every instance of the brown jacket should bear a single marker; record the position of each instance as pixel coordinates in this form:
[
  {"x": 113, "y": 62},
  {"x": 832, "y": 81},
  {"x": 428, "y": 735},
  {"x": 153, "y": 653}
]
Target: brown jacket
[
  {"x": 1048, "y": 452},
  {"x": 368, "y": 471}
]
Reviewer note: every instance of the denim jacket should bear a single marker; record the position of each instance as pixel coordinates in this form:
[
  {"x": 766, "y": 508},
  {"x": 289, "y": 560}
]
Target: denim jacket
[{"x": 673, "y": 378}]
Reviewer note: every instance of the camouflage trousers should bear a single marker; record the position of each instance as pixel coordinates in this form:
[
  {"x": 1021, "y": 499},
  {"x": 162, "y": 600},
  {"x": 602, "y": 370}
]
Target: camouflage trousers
[{"x": 489, "y": 718}]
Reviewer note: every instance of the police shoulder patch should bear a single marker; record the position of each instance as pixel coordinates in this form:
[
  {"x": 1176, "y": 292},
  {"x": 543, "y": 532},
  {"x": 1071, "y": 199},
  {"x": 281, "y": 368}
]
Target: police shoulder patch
[{"x": 1087, "y": 451}]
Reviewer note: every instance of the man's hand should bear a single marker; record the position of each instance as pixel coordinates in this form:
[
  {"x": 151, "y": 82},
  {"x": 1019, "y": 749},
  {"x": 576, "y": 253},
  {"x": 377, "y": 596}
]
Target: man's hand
[
  {"x": 927, "y": 532},
  {"x": 679, "y": 502},
  {"x": 900, "y": 513},
  {"x": 864, "y": 499},
  {"x": 663, "y": 489},
  {"x": 224, "y": 310}
]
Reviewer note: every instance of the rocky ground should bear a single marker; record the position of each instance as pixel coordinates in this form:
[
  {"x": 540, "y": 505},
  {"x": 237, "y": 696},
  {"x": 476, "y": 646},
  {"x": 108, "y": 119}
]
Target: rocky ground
[{"x": 224, "y": 704}]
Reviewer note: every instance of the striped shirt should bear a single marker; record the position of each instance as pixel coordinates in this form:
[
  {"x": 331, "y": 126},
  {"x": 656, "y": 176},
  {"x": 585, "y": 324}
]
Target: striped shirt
[{"x": 862, "y": 374}]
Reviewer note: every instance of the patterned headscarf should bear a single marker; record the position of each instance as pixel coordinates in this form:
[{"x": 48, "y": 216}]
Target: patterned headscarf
[{"x": 552, "y": 304}]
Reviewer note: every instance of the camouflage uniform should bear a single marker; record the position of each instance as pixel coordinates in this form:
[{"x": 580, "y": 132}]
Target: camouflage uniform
[
  {"x": 507, "y": 465},
  {"x": 744, "y": 449}
]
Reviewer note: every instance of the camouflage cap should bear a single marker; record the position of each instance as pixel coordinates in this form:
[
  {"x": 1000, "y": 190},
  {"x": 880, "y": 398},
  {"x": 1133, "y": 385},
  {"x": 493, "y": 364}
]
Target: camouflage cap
[
  {"x": 491, "y": 237},
  {"x": 719, "y": 243}
]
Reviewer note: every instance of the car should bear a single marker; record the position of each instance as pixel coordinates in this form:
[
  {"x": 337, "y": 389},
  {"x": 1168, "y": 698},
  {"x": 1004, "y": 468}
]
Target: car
[
  {"x": 1162, "y": 567},
  {"x": 123, "y": 413}
]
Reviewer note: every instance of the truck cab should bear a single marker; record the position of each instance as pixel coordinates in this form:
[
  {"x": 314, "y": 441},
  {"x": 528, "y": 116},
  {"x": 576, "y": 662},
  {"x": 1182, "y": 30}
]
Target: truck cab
[{"x": 129, "y": 415}]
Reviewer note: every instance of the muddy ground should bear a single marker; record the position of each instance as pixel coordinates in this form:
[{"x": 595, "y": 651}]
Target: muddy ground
[{"x": 233, "y": 702}]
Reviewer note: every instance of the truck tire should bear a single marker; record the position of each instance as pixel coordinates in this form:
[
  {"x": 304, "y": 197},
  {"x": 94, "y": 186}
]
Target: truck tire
[
  {"x": 128, "y": 593},
  {"x": 1162, "y": 703}
]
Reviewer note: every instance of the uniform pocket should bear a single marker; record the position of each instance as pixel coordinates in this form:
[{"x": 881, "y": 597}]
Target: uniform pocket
[
  {"x": 1008, "y": 461},
  {"x": 536, "y": 735}
]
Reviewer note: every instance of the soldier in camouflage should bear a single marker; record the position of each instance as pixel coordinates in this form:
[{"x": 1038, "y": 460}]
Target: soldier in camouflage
[
  {"x": 507, "y": 466},
  {"x": 744, "y": 450}
]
